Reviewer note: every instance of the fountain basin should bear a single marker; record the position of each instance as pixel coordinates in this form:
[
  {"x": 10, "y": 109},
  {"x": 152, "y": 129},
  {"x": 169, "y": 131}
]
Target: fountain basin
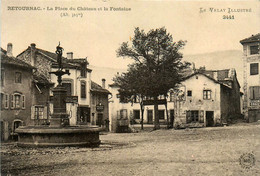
[{"x": 40, "y": 136}]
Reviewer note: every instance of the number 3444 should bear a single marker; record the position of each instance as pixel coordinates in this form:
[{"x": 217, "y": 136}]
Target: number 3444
[{"x": 228, "y": 17}]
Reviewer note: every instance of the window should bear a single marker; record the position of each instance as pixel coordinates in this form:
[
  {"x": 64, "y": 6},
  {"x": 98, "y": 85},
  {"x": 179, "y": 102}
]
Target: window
[
  {"x": 226, "y": 74},
  {"x": 171, "y": 96},
  {"x": 38, "y": 112},
  {"x": 123, "y": 114},
  {"x": 83, "y": 72},
  {"x": 161, "y": 114},
  {"x": 67, "y": 86},
  {"x": 136, "y": 114},
  {"x": 18, "y": 77},
  {"x": 17, "y": 101},
  {"x": 254, "y": 69},
  {"x": 192, "y": 116},
  {"x": 254, "y": 92},
  {"x": 83, "y": 89},
  {"x": 254, "y": 49},
  {"x": 189, "y": 93},
  {"x": 2, "y": 77},
  {"x": 206, "y": 94}
]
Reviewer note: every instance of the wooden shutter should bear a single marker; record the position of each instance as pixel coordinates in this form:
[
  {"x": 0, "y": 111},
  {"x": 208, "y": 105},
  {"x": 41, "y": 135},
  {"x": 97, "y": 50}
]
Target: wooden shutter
[
  {"x": 257, "y": 92},
  {"x": 12, "y": 101},
  {"x": 45, "y": 113},
  {"x": 6, "y": 101},
  {"x": 32, "y": 112},
  {"x": 23, "y": 101}
]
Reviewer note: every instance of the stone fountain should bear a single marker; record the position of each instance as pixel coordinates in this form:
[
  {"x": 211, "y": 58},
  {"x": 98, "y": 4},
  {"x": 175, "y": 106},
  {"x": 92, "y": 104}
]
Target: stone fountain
[{"x": 59, "y": 133}]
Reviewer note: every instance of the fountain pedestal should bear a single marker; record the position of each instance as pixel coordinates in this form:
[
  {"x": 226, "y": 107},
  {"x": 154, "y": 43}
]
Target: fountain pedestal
[{"x": 59, "y": 117}]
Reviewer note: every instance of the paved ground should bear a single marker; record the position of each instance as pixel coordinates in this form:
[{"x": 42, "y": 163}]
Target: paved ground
[{"x": 204, "y": 151}]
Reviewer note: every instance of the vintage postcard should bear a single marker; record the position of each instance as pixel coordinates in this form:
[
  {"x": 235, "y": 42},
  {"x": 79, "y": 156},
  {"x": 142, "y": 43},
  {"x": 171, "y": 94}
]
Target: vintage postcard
[{"x": 141, "y": 87}]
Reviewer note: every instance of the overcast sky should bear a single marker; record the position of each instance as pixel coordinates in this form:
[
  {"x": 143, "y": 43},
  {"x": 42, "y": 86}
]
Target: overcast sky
[{"x": 98, "y": 34}]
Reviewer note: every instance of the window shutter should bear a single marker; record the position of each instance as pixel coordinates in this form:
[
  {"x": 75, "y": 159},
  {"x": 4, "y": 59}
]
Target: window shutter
[
  {"x": 45, "y": 113},
  {"x": 23, "y": 101},
  {"x": 12, "y": 101},
  {"x": 6, "y": 102},
  {"x": 33, "y": 112},
  {"x": 251, "y": 93}
]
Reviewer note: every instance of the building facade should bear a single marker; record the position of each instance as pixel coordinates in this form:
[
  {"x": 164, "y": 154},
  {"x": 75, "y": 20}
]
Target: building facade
[
  {"x": 208, "y": 98},
  {"x": 204, "y": 98},
  {"x": 99, "y": 104},
  {"x": 77, "y": 83},
  {"x": 16, "y": 88},
  {"x": 251, "y": 61},
  {"x": 123, "y": 113}
]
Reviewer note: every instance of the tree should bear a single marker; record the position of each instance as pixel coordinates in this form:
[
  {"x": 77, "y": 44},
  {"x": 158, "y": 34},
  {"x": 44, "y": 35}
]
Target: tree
[{"x": 157, "y": 65}]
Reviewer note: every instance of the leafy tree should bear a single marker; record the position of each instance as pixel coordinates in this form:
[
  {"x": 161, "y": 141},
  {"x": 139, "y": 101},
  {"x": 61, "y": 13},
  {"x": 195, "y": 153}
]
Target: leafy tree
[{"x": 157, "y": 66}]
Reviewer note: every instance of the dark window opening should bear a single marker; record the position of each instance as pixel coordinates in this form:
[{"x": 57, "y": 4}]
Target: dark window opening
[
  {"x": 254, "y": 49},
  {"x": 161, "y": 114},
  {"x": 192, "y": 116},
  {"x": 254, "y": 69},
  {"x": 18, "y": 77},
  {"x": 136, "y": 114},
  {"x": 189, "y": 93},
  {"x": 83, "y": 90},
  {"x": 2, "y": 77}
]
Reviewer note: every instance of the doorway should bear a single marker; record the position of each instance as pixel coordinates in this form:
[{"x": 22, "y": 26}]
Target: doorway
[
  {"x": 83, "y": 115},
  {"x": 150, "y": 116},
  {"x": 209, "y": 118},
  {"x": 99, "y": 119},
  {"x": 171, "y": 118}
]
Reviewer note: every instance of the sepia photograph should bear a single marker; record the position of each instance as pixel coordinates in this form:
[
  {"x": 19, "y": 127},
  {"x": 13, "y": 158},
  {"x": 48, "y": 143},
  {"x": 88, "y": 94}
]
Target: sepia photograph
[{"x": 141, "y": 87}]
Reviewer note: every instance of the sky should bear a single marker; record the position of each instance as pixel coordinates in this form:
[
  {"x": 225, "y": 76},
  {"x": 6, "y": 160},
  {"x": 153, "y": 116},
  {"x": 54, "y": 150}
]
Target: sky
[{"x": 98, "y": 34}]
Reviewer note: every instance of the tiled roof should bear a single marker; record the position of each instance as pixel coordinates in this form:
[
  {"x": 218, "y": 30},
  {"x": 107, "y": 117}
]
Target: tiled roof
[
  {"x": 52, "y": 56},
  {"x": 97, "y": 88},
  {"x": 222, "y": 82},
  {"x": 253, "y": 38},
  {"x": 41, "y": 79},
  {"x": 13, "y": 61}
]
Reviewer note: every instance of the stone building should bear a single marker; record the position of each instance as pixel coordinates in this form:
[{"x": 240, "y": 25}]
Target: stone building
[
  {"x": 99, "y": 104},
  {"x": 251, "y": 61},
  {"x": 78, "y": 82},
  {"x": 208, "y": 98},
  {"x": 16, "y": 88}
]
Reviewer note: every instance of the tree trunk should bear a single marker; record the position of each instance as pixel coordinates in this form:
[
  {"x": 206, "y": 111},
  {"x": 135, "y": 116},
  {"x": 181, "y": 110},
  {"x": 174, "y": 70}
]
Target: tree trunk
[
  {"x": 167, "y": 115},
  {"x": 156, "y": 114},
  {"x": 142, "y": 116}
]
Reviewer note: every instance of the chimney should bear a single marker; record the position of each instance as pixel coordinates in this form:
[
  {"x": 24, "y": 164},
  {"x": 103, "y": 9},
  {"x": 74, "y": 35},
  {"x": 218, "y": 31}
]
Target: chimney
[
  {"x": 69, "y": 55},
  {"x": 33, "y": 55},
  {"x": 10, "y": 49},
  {"x": 103, "y": 83}
]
